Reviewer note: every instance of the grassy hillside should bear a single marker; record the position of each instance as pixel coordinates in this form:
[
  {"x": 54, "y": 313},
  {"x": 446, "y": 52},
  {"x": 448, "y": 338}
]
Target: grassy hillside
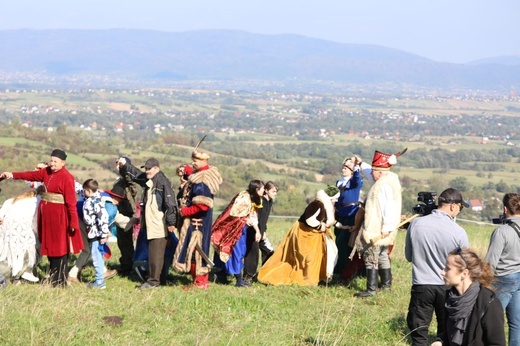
[{"x": 222, "y": 315}]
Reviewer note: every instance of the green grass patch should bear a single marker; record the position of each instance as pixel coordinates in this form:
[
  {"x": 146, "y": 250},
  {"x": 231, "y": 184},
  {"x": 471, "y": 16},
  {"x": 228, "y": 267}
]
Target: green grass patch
[{"x": 221, "y": 315}]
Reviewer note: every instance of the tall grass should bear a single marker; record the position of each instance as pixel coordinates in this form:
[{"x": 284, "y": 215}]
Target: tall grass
[{"x": 221, "y": 315}]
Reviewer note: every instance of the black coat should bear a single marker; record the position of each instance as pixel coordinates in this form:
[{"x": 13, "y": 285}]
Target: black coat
[
  {"x": 164, "y": 195},
  {"x": 486, "y": 322}
]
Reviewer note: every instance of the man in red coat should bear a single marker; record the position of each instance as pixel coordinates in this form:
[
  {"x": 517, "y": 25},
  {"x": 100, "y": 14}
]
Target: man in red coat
[{"x": 58, "y": 227}]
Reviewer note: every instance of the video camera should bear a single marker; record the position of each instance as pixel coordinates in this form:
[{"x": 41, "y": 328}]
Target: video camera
[
  {"x": 427, "y": 204},
  {"x": 499, "y": 220}
]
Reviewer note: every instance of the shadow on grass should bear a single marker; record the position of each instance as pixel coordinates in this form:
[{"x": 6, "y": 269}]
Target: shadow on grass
[
  {"x": 177, "y": 279},
  {"x": 358, "y": 283},
  {"x": 398, "y": 324},
  {"x": 87, "y": 274}
]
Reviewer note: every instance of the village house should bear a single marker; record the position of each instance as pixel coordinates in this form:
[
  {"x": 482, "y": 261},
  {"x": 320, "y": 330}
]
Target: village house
[{"x": 475, "y": 205}]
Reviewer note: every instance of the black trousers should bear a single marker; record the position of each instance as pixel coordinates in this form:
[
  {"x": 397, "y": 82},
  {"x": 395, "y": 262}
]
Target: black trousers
[
  {"x": 58, "y": 270},
  {"x": 266, "y": 249},
  {"x": 424, "y": 300},
  {"x": 85, "y": 253},
  {"x": 252, "y": 253},
  {"x": 156, "y": 248},
  {"x": 125, "y": 243}
]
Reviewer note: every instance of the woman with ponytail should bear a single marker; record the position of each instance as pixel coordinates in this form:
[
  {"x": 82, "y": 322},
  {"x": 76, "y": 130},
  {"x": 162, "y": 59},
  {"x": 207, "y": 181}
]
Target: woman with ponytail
[{"x": 474, "y": 314}]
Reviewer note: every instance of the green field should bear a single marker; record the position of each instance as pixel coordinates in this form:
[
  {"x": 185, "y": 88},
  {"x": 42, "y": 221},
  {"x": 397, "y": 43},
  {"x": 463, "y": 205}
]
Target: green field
[
  {"x": 221, "y": 315},
  {"x": 296, "y": 139}
]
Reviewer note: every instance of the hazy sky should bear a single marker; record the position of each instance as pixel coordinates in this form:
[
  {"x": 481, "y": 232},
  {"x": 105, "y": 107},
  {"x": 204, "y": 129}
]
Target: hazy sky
[{"x": 442, "y": 30}]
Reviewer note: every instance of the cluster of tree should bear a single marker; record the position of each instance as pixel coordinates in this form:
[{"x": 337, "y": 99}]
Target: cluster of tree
[
  {"x": 302, "y": 116},
  {"x": 240, "y": 162},
  {"x": 462, "y": 158}
]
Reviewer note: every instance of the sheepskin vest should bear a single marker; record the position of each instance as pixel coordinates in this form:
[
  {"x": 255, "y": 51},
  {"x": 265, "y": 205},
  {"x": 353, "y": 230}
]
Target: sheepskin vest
[{"x": 373, "y": 213}]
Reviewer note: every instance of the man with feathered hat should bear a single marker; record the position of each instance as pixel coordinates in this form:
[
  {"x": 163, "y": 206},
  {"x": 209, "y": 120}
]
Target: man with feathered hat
[
  {"x": 382, "y": 216},
  {"x": 192, "y": 253}
]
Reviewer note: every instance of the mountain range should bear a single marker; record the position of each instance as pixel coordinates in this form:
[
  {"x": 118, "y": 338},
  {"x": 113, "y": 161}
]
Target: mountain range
[{"x": 226, "y": 55}]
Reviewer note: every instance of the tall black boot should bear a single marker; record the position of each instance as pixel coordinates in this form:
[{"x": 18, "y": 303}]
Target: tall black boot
[
  {"x": 386, "y": 279},
  {"x": 371, "y": 285}
]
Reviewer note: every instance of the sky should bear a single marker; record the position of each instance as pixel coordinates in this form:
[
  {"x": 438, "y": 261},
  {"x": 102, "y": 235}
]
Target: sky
[{"x": 456, "y": 31}]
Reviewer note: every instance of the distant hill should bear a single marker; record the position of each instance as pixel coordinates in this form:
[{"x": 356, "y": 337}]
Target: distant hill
[
  {"x": 161, "y": 57},
  {"x": 511, "y": 60}
]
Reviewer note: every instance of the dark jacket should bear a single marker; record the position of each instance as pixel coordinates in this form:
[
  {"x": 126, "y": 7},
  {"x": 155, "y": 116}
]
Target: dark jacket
[
  {"x": 127, "y": 206},
  {"x": 263, "y": 214},
  {"x": 164, "y": 195},
  {"x": 486, "y": 322}
]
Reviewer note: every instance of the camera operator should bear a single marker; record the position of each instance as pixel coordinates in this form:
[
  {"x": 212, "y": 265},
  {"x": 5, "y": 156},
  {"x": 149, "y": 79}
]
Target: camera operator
[
  {"x": 504, "y": 258},
  {"x": 429, "y": 240}
]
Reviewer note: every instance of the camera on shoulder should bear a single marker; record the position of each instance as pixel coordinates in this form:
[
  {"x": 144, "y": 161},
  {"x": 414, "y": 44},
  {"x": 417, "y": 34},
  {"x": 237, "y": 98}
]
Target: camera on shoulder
[{"x": 427, "y": 204}]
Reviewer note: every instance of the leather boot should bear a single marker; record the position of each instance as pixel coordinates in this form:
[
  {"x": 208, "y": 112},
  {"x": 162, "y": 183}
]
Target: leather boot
[
  {"x": 386, "y": 279},
  {"x": 371, "y": 285}
]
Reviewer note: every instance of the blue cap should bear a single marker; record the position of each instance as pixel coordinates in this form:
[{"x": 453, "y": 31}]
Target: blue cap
[{"x": 105, "y": 250}]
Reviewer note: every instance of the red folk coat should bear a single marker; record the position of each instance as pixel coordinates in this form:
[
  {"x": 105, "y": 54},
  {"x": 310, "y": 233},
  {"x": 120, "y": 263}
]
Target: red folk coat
[{"x": 55, "y": 220}]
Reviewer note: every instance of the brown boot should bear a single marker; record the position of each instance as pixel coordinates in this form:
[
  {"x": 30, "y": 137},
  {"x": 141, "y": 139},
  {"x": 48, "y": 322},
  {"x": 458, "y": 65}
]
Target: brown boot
[{"x": 110, "y": 274}]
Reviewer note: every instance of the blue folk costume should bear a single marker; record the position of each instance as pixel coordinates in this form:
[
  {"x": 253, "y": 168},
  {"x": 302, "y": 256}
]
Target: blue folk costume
[
  {"x": 346, "y": 209},
  {"x": 347, "y": 204},
  {"x": 196, "y": 226}
]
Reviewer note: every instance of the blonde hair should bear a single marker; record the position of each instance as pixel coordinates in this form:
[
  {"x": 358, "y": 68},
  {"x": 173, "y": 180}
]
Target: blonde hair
[
  {"x": 479, "y": 270},
  {"x": 25, "y": 195}
]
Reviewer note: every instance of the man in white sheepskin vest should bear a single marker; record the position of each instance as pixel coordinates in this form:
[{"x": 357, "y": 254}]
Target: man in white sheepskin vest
[{"x": 382, "y": 216}]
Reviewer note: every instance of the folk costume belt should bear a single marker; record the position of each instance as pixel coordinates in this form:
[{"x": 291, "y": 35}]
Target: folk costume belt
[{"x": 53, "y": 197}]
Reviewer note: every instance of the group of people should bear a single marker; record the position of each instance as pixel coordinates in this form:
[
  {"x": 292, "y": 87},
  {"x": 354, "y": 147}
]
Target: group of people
[
  {"x": 176, "y": 230},
  {"x": 61, "y": 225},
  {"x": 467, "y": 294}
]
